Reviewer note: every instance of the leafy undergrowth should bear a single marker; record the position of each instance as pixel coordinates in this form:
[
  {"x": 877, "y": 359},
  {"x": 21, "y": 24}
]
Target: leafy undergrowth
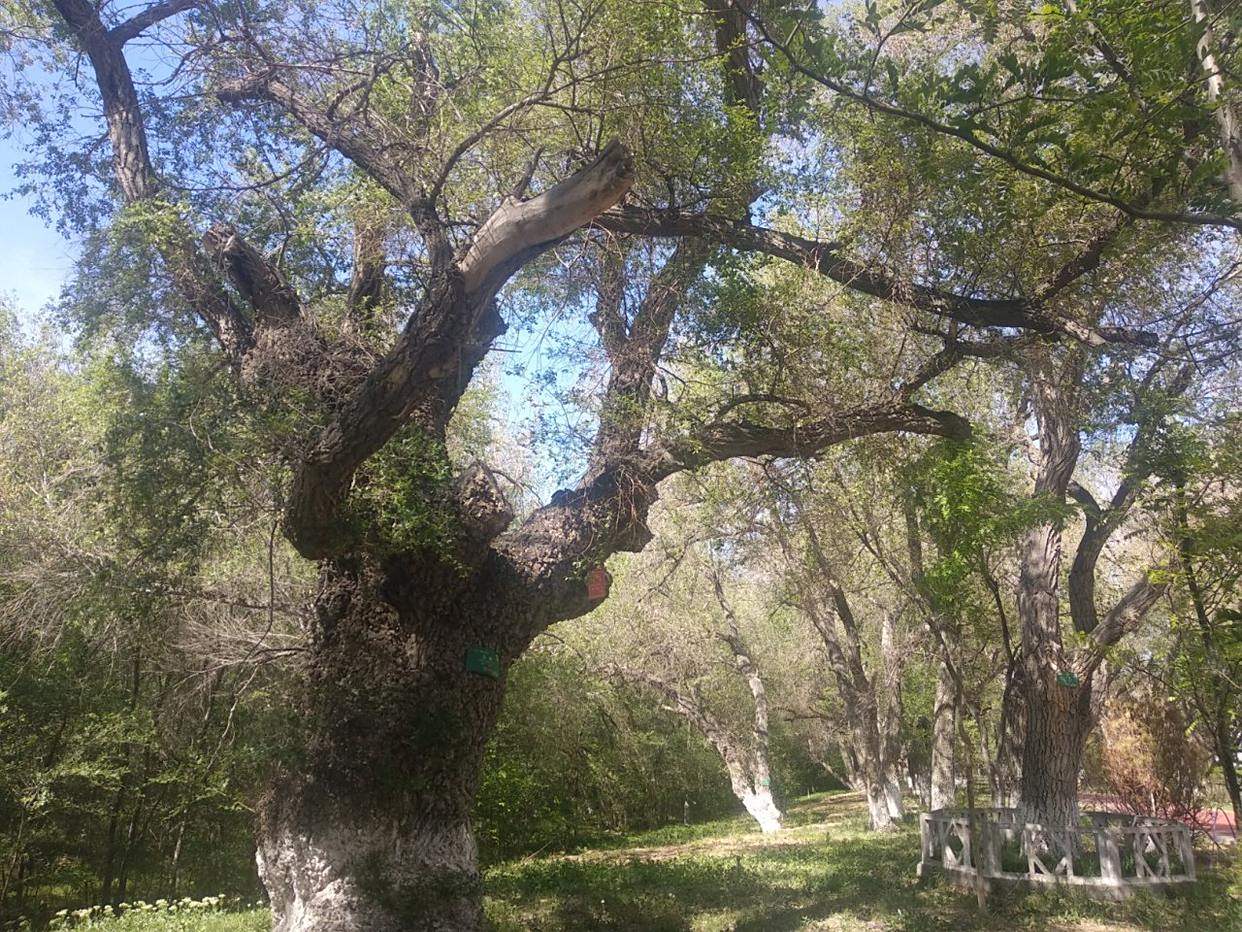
[{"x": 823, "y": 872}]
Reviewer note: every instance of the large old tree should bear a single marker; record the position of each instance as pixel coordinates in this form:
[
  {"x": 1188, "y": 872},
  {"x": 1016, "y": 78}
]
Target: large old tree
[{"x": 464, "y": 150}]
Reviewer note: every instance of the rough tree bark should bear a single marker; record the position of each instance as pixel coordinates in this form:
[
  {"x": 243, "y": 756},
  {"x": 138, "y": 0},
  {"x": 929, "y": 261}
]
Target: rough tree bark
[{"x": 374, "y": 832}]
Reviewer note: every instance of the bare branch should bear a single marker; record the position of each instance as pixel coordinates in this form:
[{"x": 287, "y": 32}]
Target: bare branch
[
  {"x": 358, "y": 146},
  {"x": 139, "y": 23},
  {"x": 1124, "y": 617}
]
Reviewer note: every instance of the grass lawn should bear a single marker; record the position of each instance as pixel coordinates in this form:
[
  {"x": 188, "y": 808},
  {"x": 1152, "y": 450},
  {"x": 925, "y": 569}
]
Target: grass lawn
[{"x": 824, "y": 872}]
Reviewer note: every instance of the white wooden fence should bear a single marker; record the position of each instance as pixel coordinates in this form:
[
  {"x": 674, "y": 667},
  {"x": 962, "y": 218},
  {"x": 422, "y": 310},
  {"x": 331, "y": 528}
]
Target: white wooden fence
[{"x": 1108, "y": 854}]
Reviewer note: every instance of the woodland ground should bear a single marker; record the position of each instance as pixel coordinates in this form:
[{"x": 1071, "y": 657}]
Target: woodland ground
[{"x": 824, "y": 872}]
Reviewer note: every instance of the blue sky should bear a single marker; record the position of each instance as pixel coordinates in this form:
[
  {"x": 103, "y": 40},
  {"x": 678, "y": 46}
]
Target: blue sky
[{"x": 34, "y": 259}]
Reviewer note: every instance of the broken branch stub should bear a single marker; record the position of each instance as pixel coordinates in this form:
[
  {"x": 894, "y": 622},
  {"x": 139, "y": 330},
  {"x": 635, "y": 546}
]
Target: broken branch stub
[{"x": 518, "y": 230}]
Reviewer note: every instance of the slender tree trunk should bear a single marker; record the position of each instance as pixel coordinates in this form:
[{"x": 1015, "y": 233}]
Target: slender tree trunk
[
  {"x": 877, "y": 808},
  {"x": 1007, "y": 770},
  {"x": 1219, "y": 696},
  {"x": 375, "y": 832},
  {"x": 944, "y": 729},
  {"x": 108, "y": 872},
  {"x": 745, "y": 761},
  {"x": 890, "y": 713},
  {"x": 1225, "y": 751},
  {"x": 15, "y": 860},
  {"x": 879, "y": 799},
  {"x": 175, "y": 879},
  {"x": 883, "y": 799}
]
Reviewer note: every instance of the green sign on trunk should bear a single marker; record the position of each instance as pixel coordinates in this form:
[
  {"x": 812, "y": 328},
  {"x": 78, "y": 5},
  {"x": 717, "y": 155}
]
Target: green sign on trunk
[
  {"x": 1067, "y": 679},
  {"x": 483, "y": 661}
]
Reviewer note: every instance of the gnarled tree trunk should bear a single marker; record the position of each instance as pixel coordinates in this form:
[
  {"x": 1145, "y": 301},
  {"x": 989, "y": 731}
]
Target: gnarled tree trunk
[
  {"x": 1057, "y": 682},
  {"x": 373, "y": 831}
]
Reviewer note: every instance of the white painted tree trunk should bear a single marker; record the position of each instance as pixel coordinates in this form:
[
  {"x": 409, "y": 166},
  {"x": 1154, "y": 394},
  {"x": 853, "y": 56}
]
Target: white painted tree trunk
[
  {"x": 374, "y": 832},
  {"x": 892, "y": 797},
  {"x": 878, "y": 808},
  {"x": 763, "y": 809},
  {"x": 370, "y": 876}
]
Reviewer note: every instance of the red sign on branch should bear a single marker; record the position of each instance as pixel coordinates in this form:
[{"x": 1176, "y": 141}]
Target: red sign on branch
[{"x": 597, "y": 583}]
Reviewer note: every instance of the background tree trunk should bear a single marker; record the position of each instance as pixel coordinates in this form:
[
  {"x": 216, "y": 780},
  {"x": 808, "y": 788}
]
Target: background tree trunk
[
  {"x": 755, "y": 793},
  {"x": 944, "y": 728}
]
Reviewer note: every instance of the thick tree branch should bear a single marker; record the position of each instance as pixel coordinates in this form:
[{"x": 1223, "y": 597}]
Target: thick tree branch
[
  {"x": 742, "y": 86},
  {"x": 367, "y": 283},
  {"x": 421, "y": 379},
  {"x": 730, "y": 439},
  {"x": 1124, "y": 617},
  {"x": 1101, "y": 523},
  {"x": 826, "y": 258},
  {"x": 274, "y": 301},
  {"x": 608, "y": 318},
  {"x": 634, "y": 350},
  {"x": 518, "y": 230},
  {"x": 578, "y": 528}
]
